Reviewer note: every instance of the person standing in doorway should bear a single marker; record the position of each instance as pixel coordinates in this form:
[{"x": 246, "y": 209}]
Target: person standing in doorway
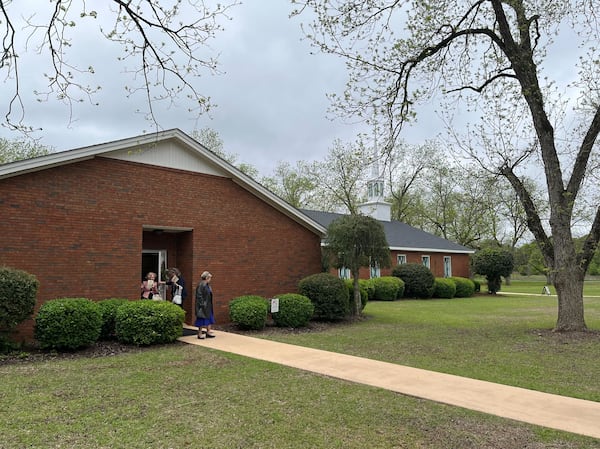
[
  {"x": 205, "y": 316},
  {"x": 150, "y": 287},
  {"x": 177, "y": 284}
]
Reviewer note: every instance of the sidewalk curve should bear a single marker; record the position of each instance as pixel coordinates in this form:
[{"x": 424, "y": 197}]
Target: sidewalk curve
[{"x": 534, "y": 407}]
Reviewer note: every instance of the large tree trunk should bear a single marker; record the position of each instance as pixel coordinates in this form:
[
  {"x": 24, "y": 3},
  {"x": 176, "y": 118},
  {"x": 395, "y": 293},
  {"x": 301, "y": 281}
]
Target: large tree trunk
[
  {"x": 568, "y": 280},
  {"x": 570, "y": 303}
]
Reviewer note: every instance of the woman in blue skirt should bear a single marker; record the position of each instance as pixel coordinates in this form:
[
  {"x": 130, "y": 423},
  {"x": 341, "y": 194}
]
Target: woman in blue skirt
[{"x": 205, "y": 316}]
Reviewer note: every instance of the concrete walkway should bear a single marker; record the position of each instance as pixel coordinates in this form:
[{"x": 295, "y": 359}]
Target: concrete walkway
[{"x": 542, "y": 409}]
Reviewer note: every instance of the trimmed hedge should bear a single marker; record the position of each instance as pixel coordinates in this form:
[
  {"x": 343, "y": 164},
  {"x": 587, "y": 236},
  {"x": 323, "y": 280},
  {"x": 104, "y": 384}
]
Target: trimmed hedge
[
  {"x": 18, "y": 290},
  {"x": 249, "y": 312},
  {"x": 68, "y": 323},
  {"x": 444, "y": 288},
  {"x": 368, "y": 285},
  {"x": 328, "y": 294},
  {"x": 108, "y": 308},
  {"x": 388, "y": 288},
  {"x": 418, "y": 280},
  {"x": 145, "y": 323},
  {"x": 294, "y": 310},
  {"x": 465, "y": 288}
]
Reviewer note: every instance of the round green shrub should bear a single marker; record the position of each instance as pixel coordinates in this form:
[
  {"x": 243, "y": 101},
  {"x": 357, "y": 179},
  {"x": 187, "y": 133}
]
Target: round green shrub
[
  {"x": 493, "y": 263},
  {"x": 145, "y": 323},
  {"x": 328, "y": 294},
  {"x": 387, "y": 287},
  {"x": 367, "y": 284},
  {"x": 68, "y": 324},
  {"x": 249, "y": 312},
  {"x": 418, "y": 280},
  {"x": 294, "y": 310},
  {"x": 364, "y": 295},
  {"x": 18, "y": 290},
  {"x": 464, "y": 287},
  {"x": 444, "y": 288},
  {"x": 401, "y": 289},
  {"x": 108, "y": 308}
]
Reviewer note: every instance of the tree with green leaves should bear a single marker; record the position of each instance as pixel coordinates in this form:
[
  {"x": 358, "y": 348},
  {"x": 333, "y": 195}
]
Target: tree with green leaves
[
  {"x": 406, "y": 169},
  {"x": 341, "y": 176},
  {"x": 355, "y": 241},
  {"x": 20, "y": 149},
  {"x": 493, "y": 263},
  {"x": 211, "y": 139},
  {"x": 458, "y": 204},
  {"x": 488, "y": 52},
  {"x": 529, "y": 260},
  {"x": 296, "y": 185},
  {"x": 164, "y": 44}
]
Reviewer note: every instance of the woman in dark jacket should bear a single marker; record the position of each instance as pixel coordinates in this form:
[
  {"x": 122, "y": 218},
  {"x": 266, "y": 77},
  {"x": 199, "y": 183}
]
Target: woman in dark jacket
[
  {"x": 177, "y": 284},
  {"x": 205, "y": 316}
]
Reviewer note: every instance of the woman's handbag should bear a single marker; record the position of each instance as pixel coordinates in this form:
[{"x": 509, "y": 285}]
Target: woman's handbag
[{"x": 177, "y": 297}]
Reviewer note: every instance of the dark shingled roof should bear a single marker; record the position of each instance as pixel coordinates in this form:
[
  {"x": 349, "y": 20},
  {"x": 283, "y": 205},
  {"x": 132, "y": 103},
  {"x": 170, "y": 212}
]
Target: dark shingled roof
[{"x": 400, "y": 236}]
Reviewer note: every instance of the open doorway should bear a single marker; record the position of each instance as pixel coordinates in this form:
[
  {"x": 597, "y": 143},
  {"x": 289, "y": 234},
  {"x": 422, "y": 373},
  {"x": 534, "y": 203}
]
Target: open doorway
[{"x": 156, "y": 261}]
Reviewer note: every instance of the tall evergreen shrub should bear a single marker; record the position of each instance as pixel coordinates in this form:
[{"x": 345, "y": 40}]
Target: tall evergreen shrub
[
  {"x": 329, "y": 295},
  {"x": 418, "y": 280}
]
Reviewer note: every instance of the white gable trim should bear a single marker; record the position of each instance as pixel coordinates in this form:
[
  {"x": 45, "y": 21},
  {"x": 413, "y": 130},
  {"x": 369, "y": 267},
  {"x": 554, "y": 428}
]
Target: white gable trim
[{"x": 142, "y": 149}]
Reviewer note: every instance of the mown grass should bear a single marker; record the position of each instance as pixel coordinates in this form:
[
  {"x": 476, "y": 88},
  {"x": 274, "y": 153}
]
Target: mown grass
[
  {"x": 534, "y": 285},
  {"x": 504, "y": 339},
  {"x": 181, "y": 396}
]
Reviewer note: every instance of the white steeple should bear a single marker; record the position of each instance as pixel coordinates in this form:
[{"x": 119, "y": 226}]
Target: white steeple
[{"x": 376, "y": 206}]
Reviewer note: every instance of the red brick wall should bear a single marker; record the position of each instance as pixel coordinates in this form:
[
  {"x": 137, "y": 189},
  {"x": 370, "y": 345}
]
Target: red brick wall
[
  {"x": 78, "y": 228},
  {"x": 460, "y": 264}
]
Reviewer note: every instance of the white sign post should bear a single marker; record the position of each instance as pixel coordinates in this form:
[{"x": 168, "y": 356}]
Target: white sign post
[{"x": 274, "y": 305}]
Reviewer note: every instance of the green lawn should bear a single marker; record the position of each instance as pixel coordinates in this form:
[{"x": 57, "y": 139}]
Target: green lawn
[
  {"x": 534, "y": 285},
  {"x": 504, "y": 339},
  {"x": 182, "y": 396}
]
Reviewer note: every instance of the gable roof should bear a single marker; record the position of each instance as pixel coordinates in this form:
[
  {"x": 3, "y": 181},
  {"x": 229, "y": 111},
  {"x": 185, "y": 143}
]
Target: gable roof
[
  {"x": 171, "y": 148},
  {"x": 400, "y": 236}
]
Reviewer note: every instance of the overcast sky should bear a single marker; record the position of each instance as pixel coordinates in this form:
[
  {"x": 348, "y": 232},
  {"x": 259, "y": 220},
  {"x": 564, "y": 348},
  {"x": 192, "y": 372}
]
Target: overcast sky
[{"x": 271, "y": 99}]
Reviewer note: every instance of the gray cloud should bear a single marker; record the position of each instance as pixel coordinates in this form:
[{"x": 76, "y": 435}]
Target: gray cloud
[{"x": 271, "y": 97}]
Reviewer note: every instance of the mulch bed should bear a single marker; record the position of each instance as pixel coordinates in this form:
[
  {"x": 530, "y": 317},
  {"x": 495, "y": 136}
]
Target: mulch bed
[{"x": 110, "y": 348}]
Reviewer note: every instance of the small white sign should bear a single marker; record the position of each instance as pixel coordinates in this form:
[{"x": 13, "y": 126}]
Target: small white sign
[
  {"x": 274, "y": 305},
  {"x": 546, "y": 290}
]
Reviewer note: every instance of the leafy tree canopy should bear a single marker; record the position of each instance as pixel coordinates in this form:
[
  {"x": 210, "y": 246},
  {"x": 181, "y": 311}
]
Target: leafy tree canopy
[
  {"x": 491, "y": 57},
  {"x": 16, "y": 150},
  {"x": 357, "y": 241},
  {"x": 493, "y": 263}
]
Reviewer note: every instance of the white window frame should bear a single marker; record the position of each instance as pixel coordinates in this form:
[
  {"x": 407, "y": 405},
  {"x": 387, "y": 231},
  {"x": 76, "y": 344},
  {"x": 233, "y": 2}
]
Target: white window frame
[
  {"x": 447, "y": 266},
  {"x": 401, "y": 259},
  {"x": 344, "y": 273},
  {"x": 375, "y": 271},
  {"x": 426, "y": 261}
]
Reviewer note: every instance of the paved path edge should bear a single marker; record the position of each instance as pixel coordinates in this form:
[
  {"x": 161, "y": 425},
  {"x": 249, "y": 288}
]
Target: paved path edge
[{"x": 543, "y": 409}]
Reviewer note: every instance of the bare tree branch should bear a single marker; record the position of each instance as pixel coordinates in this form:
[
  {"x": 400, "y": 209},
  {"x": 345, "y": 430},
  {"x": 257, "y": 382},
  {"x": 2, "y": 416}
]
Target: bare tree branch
[{"x": 165, "y": 41}]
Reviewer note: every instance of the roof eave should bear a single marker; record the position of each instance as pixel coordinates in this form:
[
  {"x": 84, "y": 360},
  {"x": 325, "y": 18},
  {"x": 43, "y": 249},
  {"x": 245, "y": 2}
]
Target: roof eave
[{"x": 432, "y": 250}]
